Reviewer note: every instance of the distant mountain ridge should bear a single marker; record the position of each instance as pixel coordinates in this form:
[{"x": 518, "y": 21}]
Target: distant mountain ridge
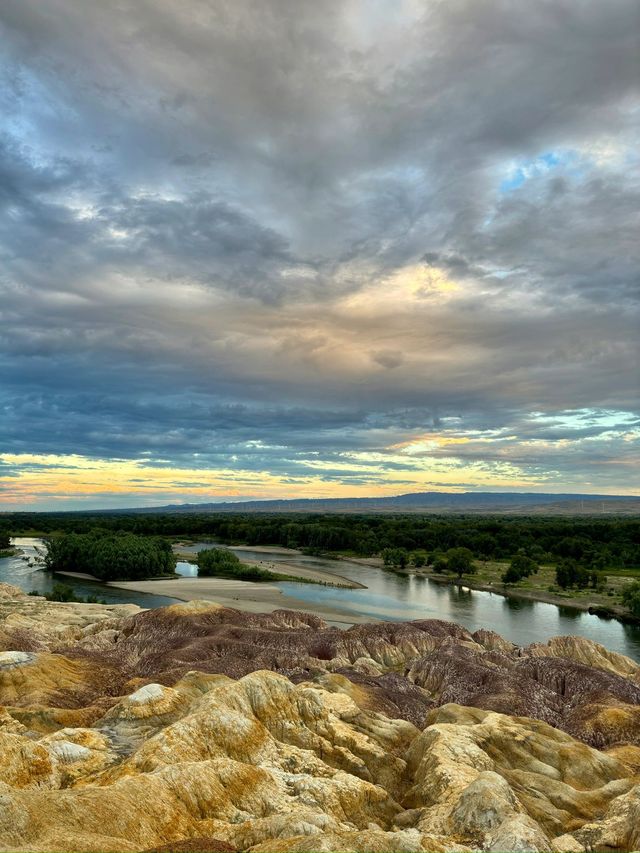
[{"x": 516, "y": 502}]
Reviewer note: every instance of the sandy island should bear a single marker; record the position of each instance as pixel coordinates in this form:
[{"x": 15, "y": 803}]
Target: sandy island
[
  {"x": 295, "y": 571},
  {"x": 241, "y": 595},
  {"x": 245, "y": 595},
  {"x": 290, "y": 568}
]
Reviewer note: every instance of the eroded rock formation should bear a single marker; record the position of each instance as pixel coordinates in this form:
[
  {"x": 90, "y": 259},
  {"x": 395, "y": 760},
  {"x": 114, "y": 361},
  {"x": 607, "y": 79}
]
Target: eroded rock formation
[{"x": 195, "y": 727}]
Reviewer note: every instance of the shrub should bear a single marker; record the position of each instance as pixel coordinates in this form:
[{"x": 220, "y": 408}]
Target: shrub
[
  {"x": 218, "y": 562},
  {"x": 62, "y": 592},
  {"x": 631, "y": 598}
]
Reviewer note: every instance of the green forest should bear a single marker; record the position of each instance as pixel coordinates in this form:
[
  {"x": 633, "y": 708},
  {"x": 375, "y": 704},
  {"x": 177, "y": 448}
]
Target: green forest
[
  {"x": 580, "y": 554},
  {"x": 600, "y": 544},
  {"x": 109, "y": 556}
]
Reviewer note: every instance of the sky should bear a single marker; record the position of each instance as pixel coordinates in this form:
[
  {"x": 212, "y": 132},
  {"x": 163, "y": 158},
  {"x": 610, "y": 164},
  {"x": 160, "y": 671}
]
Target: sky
[{"x": 263, "y": 248}]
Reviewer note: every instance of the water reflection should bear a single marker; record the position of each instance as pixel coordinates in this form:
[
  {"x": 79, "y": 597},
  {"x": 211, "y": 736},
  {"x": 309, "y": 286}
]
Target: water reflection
[
  {"x": 569, "y": 613},
  {"x": 520, "y": 620},
  {"x": 517, "y": 604},
  {"x": 186, "y": 570}
]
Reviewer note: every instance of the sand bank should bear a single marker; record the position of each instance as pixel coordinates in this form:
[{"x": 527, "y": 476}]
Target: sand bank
[
  {"x": 317, "y": 575},
  {"x": 80, "y": 576},
  {"x": 288, "y": 567},
  {"x": 241, "y": 595}
]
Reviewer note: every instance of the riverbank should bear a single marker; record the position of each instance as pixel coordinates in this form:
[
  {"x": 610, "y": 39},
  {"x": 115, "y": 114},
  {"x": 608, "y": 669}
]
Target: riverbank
[
  {"x": 540, "y": 587},
  {"x": 606, "y": 610},
  {"x": 80, "y": 576},
  {"x": 9, "y": 552},
  {"x": 388, "y": 597},
  {"x": 295, "y": 572},
  {"x": 265, "y": 597},
  {"x": 240, "y": 595},
  {"x": 188, "y": 545}
]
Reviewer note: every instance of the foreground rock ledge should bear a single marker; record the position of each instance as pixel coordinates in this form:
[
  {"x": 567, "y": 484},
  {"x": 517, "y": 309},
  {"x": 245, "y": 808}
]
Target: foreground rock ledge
[{"x": 195, "y": 727}]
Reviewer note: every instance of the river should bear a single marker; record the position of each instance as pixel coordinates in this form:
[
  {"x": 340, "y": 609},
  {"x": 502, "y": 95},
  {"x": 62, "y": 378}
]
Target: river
[
  {"x": 399, "y": 598},
  {"x": 388, "y": 596}
]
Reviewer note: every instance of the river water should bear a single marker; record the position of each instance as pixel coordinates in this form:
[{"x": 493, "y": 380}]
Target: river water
[
  {"x": 387, "y": 596},
  {"x": 399, "y": 598}
]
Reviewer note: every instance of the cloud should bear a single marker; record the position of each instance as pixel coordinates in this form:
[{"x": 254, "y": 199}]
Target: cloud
[
  {"x": 241, "y": 239},
  {"x": 388, "y": 358}
]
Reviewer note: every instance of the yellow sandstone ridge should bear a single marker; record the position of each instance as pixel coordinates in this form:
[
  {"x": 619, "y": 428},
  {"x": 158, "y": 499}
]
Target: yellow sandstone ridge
[
  {"x": 262, "y": 763},
  {"x": 109, "y": 741}
]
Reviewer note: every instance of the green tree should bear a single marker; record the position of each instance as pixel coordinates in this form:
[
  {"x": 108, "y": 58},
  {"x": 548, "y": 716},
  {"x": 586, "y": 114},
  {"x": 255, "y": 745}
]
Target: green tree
[
  {"x": 521, "y": 567},
  {"x": 597, "y": 580},
  {"x": 219, "y": 562},
  {"x": 110, "y": 556},
  {"x": 582, "y": 577},
  {"x": 631, "y": 598},
  {"x": 569, "y": 573},
  {"x": 537, "y": 554},
  {"x": 524, "y": 565},
  {"x": 511, "y": 575},
  {"x": 566, "y": 571},
  {"x": 460, "y": 561},
  {"x": 211, "y": 561},
  {"x": 440, "y": 565},
  {"x": 395, "y": 558}
]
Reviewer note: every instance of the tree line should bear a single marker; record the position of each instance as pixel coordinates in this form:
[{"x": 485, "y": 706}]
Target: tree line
[
  {"x": 594, "y": 543},
  {"x": 129, "y": 546}
]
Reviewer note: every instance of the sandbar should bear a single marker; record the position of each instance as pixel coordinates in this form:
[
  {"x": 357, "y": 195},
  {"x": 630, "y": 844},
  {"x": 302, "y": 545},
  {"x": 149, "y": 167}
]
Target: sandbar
[{"x": 240, "y": 595}]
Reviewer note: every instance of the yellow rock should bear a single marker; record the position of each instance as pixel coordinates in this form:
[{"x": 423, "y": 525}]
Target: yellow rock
[
  {"x": 619, "y": 828},
  {"x": 566, "y": 844},
  {"x": 99, "y": 755},
  {"x": 28, "y": 679},
  {"x": 542, "y": 772},
  {"x": 353, "y": 842}
]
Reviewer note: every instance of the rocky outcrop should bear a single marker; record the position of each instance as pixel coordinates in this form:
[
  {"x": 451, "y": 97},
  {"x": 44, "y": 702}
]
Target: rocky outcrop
[
  {"x": 32, "y": 623},
  {"x": 195, "y": 845},
  {"x": 592, "y": 704},
  {"x": 196, "y": 727},
  {"x": 586, "y": 651}
]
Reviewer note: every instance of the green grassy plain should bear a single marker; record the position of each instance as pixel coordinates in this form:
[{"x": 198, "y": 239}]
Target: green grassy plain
[{"x": 542, "y": 586}]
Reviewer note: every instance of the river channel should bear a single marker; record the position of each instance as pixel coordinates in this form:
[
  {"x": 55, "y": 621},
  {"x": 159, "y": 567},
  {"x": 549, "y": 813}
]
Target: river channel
[{"x": 388, "y": 597}]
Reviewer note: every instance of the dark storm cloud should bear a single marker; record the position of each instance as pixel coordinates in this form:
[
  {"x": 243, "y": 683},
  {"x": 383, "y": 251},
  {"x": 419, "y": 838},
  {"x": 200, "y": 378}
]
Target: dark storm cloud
[{"x": 325, "y": 230}]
